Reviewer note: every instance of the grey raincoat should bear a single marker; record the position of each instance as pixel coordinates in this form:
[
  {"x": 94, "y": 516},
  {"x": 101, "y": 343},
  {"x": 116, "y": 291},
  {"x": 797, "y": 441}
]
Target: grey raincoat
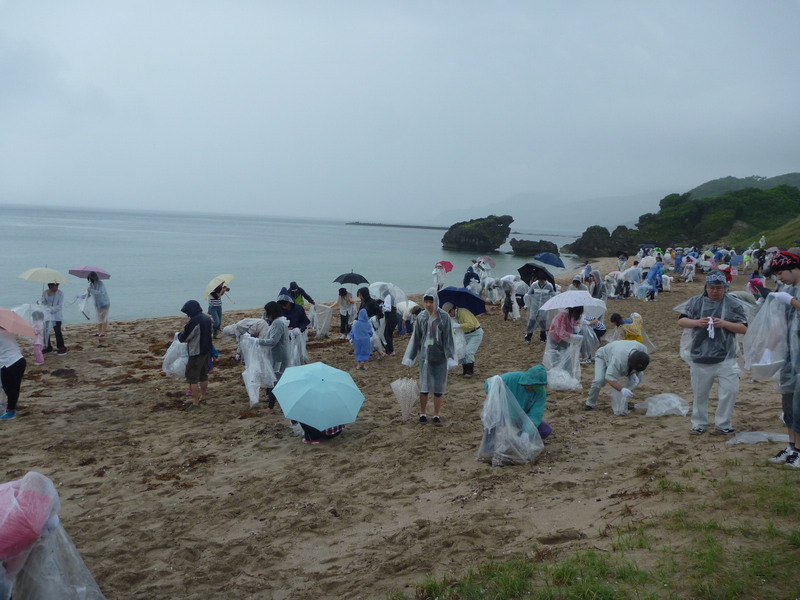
[{"x": 432, "y": 341}]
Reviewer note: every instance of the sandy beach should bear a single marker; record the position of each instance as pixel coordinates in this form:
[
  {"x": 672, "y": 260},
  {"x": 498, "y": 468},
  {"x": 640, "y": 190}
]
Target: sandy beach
[{"x": 227, "y": 502}]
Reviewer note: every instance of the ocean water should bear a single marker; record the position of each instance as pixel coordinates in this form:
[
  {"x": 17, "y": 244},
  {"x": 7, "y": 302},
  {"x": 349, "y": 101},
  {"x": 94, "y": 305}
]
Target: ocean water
[{"x": 158, "y": 261}]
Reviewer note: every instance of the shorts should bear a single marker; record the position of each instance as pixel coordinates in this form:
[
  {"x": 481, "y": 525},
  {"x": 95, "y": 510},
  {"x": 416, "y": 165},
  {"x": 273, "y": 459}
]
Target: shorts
[{"x": 197, "y": 368}]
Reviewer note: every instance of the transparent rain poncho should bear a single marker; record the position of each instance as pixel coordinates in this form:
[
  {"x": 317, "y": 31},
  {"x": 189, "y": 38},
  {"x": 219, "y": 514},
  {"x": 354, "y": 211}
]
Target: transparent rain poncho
[
  {"x": 712, "y": 345},
  {"x": 772, "y": 343},
  {"x": 534, "y": 298},
  {"x": 460, "y": 344},
  {"x": 258, "y": 372},
  {"x": 432, "y": 342},
  {"x": 509, "y": 436},
  {"x": 37, "y": 557},
  {"x": 176, "y": 358}
]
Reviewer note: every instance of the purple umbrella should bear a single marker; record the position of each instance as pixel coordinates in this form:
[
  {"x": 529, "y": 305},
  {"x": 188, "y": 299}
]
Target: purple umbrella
[{"x": 84, "y": 270}]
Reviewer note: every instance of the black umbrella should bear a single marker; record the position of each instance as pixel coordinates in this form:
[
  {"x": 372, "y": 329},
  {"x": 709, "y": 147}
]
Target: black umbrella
[
  {"x": 351, "y": 277},
  {"x": 530, "y": 271}
]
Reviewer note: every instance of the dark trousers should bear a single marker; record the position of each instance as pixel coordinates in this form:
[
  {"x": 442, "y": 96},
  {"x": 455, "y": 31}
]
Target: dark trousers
[
  {"x": 388, "y": 330},
  {"x": 312, "y": 433},
  {"x": 59, "y": 338},
  {"x": 344, "y": 324},
  {"x": 11, "y": 379}
]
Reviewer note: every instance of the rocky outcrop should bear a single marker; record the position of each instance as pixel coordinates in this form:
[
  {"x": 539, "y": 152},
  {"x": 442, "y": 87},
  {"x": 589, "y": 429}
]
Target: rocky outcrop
[
  {"x": 529, "y": 247},
  {"x": 478, "y": 235},
  {"x": 596, "y": 241}
]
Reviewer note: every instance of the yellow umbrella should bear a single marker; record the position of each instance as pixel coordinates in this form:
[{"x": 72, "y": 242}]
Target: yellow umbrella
[
  {"x": 44, "y": 275},
  {"x": 225, "y": 278}
]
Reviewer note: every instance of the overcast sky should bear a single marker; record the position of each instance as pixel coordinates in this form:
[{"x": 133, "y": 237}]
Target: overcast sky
[{"x": 337, "y": 108}]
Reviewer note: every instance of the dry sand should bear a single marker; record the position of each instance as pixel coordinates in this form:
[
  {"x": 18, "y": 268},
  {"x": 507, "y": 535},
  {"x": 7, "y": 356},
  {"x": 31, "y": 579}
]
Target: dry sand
[{"x": 226, "y": 502}]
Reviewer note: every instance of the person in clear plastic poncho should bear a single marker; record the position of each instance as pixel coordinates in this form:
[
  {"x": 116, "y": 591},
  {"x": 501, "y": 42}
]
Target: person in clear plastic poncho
[
  {"x": 615, "y": 363},
  {"x": 530, "y": 391},
  {"x": 539, "y": 292},
  {"x": 711, "y": 321},
  {"x": 785, "y": 265},
  {"x": 432, "y": 341}
]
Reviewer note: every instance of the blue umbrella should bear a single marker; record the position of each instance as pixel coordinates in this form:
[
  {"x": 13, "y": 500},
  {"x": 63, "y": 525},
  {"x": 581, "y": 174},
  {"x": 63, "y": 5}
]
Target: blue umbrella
[
  {"x": 550, "y": 259},
  {"x": 463, "y": 298},
  {"x": 318, "y": 395}
]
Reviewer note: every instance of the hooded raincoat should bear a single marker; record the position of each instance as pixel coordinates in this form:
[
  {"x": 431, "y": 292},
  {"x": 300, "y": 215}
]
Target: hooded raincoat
[
  {"x": 361, "y": 334},
  {"x": 197, "y": 332},
  {"x": 432, "y": 341}
]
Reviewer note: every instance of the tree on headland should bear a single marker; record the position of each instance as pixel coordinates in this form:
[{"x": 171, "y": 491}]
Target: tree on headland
[{"x": 478, "y": 235}]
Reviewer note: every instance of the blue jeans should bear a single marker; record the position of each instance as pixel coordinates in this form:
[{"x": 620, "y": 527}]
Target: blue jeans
[{"x": 216, "y": 316}]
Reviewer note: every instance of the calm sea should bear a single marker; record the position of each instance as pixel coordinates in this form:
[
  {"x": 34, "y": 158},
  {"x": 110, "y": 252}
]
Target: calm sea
[{"x": 158, "y": 261}]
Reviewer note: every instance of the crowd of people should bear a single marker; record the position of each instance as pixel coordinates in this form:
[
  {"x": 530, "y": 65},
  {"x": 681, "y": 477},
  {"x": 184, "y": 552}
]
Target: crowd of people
[{"x": 442, "y": 334}]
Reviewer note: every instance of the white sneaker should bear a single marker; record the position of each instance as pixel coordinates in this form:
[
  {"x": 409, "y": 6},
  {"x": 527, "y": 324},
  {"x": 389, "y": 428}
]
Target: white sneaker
[
  {"x": 793, "y": 460},
  {"x": 780, "y": 457}
]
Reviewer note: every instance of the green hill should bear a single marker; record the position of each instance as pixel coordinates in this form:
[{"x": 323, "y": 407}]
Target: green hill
[
  {"x": 717, "y": 187},
  {"x": 728, "y": 211}
]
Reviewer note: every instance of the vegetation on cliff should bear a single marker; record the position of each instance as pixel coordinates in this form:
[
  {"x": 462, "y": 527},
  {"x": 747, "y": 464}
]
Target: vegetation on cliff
[
  {"x": 736, "y": 217},
  {"x": 478, "y": 235}
]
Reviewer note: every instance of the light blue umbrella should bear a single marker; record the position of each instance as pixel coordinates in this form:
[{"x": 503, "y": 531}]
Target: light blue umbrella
[{"x": 318, "y": 395}]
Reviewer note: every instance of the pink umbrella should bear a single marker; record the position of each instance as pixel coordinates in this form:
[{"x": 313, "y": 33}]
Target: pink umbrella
[
  {"x": 14, "y": 323},
  {"x": 488, "y": 260},
  {"x": 446, "y": 265},
  {"x": 84, "y": 270}
]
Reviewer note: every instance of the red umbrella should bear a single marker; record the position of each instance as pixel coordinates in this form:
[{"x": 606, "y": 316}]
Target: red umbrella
[
  {"x": 446, "y": 265},
  {"x": 13, "y": 323}
]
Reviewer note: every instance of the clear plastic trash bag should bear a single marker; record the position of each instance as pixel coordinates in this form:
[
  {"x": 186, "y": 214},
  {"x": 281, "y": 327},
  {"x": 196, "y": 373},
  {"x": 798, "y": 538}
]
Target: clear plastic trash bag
[
  {"x": 661, "y": 405},
  {"x": 320, "y": 316},
  {"x": 460, "y": 344},
  {"x": 406, "y": 391},
  {"x": 756, "y": 437},
  {"x": 55, "y": 569},
  {"x": 509, "y": 436},
  {"x": 563, "y": 365},
  {"x": 176, "y": 358},
  {"x": 258, "y": 372},
  {"x": 298, "y": 355},
  {"x": 765, "y": 343}
]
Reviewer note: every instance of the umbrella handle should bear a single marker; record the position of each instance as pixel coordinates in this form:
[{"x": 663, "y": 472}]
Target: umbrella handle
[{"x": 227, "y": 295}]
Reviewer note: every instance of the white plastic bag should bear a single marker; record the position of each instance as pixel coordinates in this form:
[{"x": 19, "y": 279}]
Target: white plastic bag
[
  {"x": 176, "y": 358},
  {"x": 509, "y": 436},
  {"x": 320, "y": 316},
  {"x": 765, "y": 343},
  {"x": 664, "y": 404},
  {"x": 406, "y": 391},
  {"x": 258, "y": 372},
  {"x": 460, "y": 344},
  {"x": 563, "y": 364}
]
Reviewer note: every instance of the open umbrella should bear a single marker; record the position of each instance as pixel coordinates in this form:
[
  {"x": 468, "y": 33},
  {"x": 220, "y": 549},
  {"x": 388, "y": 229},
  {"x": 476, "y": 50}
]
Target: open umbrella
[
  {"x": 445, "y": 264},
  {"x": 318, "y": 395},
  {"x": 549, "y": 259},
  {"x": 351, "y": 277},
  {"x": 647, "y": 262},
  {"x": 463, "y": 298},
  {"x": 379, "y": 289},
  {"x": 84, "y": 270},
  {"x": 225, "y": 278},
  {"x": 14, "y": 323},
  {"x": 531, "y": 270},
  {"x": 44, "y": 275},
  {"x": 488, "y": 260},
  {"x": 592, "y": 307}
]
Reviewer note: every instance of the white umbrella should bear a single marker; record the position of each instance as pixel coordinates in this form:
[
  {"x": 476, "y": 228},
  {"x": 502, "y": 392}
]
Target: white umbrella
[
  {"x": 44, "y": 275},
  {"x": 592, "y": 307},
  {"x": 647, "y": 262},
  {"x": 225, "y": 278},
  {"x": 379, "y": 289}
]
